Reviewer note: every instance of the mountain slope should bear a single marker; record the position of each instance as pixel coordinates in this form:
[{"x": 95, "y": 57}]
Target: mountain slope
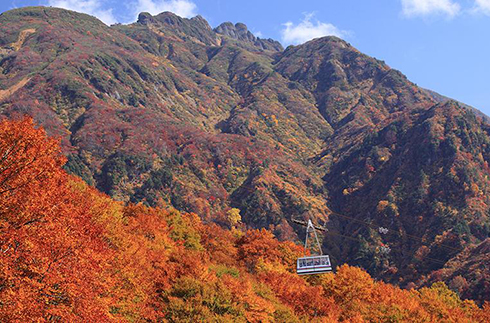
[
  {"x": 432, "y": 172},
  {"x": 168, "y": 111},
  {"x": 72, "y": 254},
  {"x": 105, "y": 102}
]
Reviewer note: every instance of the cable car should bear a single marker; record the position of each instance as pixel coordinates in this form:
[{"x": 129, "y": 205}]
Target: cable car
[{"x": 315, "y": 264}]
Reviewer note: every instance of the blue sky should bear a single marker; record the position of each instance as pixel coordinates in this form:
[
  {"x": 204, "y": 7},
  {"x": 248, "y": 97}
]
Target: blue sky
[{"x": 443, "y": 45}]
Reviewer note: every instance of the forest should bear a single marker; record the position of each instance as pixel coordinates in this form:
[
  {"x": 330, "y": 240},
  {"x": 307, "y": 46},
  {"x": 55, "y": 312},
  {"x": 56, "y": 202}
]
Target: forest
[{"x": 72, "y": 254}]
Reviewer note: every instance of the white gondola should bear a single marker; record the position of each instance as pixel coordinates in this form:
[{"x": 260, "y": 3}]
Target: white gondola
[
  {"x": 316, "y": 264},
  {"x": 313, "y": 265}
]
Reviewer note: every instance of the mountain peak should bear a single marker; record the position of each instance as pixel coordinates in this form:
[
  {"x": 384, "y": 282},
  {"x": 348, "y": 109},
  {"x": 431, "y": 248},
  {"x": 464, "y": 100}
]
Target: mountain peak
[
  {"x": 200, "y": 19},
  {"x": 144, "y": 18},
  {"x": 171, "y": 19},
  {"x": 196, "y": 28},
  {"x": 240, "y": 32}
]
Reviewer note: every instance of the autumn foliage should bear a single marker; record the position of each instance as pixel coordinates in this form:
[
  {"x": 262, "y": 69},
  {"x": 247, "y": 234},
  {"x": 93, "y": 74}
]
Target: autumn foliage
[{"x": 69, "y": 253}]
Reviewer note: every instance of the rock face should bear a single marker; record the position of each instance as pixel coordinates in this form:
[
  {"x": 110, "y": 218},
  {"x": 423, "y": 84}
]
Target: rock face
[
  {"x": 238, "y": 32},
  {"x": 241, "y": 33},
  {"x": 169, "y": 111}
]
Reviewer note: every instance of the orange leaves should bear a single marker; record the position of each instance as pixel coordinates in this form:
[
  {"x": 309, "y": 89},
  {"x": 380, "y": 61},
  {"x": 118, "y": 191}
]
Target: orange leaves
[
  {"x": 350, "y": 283},
  {"x": 69, "y": 253},
  {"x": 360, "y": 298},
  {"x": 258, "y": 244},
  {"x": 484, "y": 315},
  {"x": 52, "y": 252},
  {"x": 27, "y": 159},
  {"x": 220, "y": 244},
  {"x": 351, "y": 288},
  {"x": 295, "y": 292},
  {"x": 254, "y": 307}
]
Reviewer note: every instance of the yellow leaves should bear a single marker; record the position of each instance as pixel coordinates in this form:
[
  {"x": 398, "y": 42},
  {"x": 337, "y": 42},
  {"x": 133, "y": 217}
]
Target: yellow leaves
[
  {"x": 387, "y": 207},
  {"x": 237, "y": 234},
  {"x": 274, "y": 119},
  {"x": 233, "y": 216},
  {"x": 475, "y": 190},
  {"x": 382, "y": 205},
  {"x": 184, "y": 229}
]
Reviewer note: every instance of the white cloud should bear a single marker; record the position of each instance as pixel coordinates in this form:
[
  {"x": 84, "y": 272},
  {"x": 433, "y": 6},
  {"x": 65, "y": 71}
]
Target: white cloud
[
  {"x": 412, "y": 8},
  {"x": 91, "y": 7},
  {"x": 482, "y": 6},
  {"x": 307, "y": 30},
  {"x": 183, "y": 8}
]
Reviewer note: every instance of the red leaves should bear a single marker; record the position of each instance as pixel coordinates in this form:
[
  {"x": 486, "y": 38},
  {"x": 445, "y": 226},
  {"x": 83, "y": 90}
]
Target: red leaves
[{"x": 69, "y": 253}]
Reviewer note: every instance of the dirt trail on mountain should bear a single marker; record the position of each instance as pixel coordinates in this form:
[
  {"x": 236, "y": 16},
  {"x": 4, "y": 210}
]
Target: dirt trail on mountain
[
  {"x": 22, "y": 38},
  {"x": 8, "y": 92}
]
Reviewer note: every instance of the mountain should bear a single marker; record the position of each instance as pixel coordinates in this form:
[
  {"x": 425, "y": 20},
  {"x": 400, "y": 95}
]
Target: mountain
[{"x": 169, "y": 111}]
